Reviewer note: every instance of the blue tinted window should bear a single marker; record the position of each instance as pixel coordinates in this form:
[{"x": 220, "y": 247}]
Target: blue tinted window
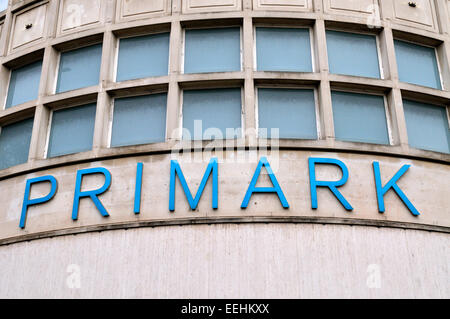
[
  {"x": 24, "y": 84},
  {"x": 359, "y": 118},
  {"x": 281, "y": 49},
  {"x": 427, "y": 126},
  {"x": 291, "y": 111},
  {"x": 216, "y": 109},
  {"x": 353, "y": 54},
  {"x": 143, "y": 57},
  {"x": 417, "y": 64},
  {"x": 212, "y": 50},
  {"x": 79, "y": 68},
  {"x": 72, "y": 130},
  {"x": 147, "y": 116},
  {"x": 15, "y": 143}
]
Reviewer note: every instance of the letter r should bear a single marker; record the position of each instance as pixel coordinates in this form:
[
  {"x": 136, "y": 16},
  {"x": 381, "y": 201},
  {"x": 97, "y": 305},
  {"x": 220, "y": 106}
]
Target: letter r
[
  {"x": 332, "y": 185},
  {"x": 92, "y": 194}
]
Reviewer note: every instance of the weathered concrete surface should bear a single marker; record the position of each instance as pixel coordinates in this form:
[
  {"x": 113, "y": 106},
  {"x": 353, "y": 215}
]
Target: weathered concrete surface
[{"x": 231, "y": 261}]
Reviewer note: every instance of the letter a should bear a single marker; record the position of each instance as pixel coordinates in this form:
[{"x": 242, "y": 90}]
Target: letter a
[{"x": 253, "y": 189}]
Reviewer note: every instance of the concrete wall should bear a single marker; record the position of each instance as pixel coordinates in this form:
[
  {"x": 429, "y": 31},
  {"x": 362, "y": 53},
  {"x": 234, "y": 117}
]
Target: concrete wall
[{"x": 231, "y": 261}]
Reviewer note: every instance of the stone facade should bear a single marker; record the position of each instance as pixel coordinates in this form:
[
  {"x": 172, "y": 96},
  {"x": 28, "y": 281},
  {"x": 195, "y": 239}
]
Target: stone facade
[{"x": 274, "y": 246}]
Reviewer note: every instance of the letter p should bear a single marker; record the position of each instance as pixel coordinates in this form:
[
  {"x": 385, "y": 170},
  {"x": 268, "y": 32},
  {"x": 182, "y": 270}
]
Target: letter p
[{"x": 29, "y": 202}]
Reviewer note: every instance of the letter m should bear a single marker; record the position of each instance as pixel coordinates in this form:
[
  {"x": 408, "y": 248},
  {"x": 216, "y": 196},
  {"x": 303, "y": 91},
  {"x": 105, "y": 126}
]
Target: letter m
[{"x": 175, "y": 170}]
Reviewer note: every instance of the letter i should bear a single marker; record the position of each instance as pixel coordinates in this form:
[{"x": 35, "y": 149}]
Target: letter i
[{"x": 137, "y": 191}]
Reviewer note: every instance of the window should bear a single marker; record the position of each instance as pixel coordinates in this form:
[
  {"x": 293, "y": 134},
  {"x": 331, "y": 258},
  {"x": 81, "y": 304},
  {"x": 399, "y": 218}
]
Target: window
[
  {"x": 147, "y": 116},
  {"x": 209, "y": 113},
  {"x": 79, "y": 68},
  {"x": 417, "y": 64},
  {"x": 212, "y": 50},
  {"x": 15, "y": 143},
  {"x": 353, "y": 54},
  {"x": 72, "y": 130},
  {"x": 143, "y": 56},
  {"x": 292, "y": 111},
  {"x": 359, "y": 118},
  {"x": 281, "y": 49},
  {"x": 3, "y": 5},
  {"x": 24, "y": 84},
  {"x": 427, "y": 126}
]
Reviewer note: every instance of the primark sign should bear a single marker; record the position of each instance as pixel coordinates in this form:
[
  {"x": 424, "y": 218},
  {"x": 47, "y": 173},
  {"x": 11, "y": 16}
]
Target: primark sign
[{"x": 210, "y": 171}]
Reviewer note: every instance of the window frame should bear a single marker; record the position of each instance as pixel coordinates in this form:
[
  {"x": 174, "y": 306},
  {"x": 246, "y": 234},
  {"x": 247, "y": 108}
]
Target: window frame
[
  {"x": 181, "y": 112},
  {"x": 362, "y": 32},
  {"x": 387, "y": 113},
  {"x": 183, "y": 46},
  {"x": 50, "y": 122},
  {"x": 18, "y": 120},
  {"x": 10, "y": 70},
  {"x": 117, "y": 49},
  {"x": 436, "y": 55},
  {"x": 281, "y": 26},
  {"x": 58, "y": 65},
  {"x": 446, "y": 111},
  {"x": 292, "y": 87},
  {"x": 111, "y": 119}
]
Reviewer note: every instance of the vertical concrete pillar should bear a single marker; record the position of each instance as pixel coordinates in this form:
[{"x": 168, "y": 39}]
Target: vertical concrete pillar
[
  {"x": 398, "y": 125},
  {"x": 321, "y": 66},
  {"x": 249, "y": 107}
]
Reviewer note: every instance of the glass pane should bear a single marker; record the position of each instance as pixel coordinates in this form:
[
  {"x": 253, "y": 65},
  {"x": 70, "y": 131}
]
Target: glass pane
[
  {"x": 353, "y": 54},
  {"x": 427, "y": 126},
  {"x": 281, "y": 49},
  {"x": 79, "y": 68},
  {"x": 15, "y": 143},
  {"x": 24, "y": 84},
  {"x": 359, "y": 118},
  {"x": 417, "y": 64},
  {"x": 143, "y": 57},
  {"x": 212, "y": 50},
  {"x": 72, "y": 130},
  {"x": 291, "y": 111},
  {"x": 3, "y": 5},
  {"x": 216, "y": 109},
  {"x": 139, "y": 120}
]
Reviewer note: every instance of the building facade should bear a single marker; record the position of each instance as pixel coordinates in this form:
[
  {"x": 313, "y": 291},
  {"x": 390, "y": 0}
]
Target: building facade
[{"x": 225, "y": 148}]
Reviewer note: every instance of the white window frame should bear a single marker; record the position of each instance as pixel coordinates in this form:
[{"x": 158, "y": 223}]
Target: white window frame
[
  {"x": 111, "y": 119},
  {"x": 183, "y": 46},
  {"x": 180, "y": 120},
  {"x": 50, "y": 122},
  {"x": 300, "y": 87},
  {"x": 117, "y": 48},
  {"x": 280, "y": 26},
  {"x": 441, "y": 80},
  {"x": 387, "y": 112},
  {"x": 58, "y": 65},
  {"x": 377, "y": 43}
]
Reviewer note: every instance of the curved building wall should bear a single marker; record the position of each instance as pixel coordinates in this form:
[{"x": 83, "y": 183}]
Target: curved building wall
[{"x": 112, "y": 111}]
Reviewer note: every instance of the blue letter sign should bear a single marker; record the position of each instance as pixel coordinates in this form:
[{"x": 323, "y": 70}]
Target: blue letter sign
[
  {"x": 330, "y": 184},
  {"x": 175, "y": 170},
  {"x": 92, "y": 194},
  {"x": 275, "y": 189},
  {"x": 138, "y": 188},
  {"x": 29, "y": 202},
  {"x": 391, "y": 184}
]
